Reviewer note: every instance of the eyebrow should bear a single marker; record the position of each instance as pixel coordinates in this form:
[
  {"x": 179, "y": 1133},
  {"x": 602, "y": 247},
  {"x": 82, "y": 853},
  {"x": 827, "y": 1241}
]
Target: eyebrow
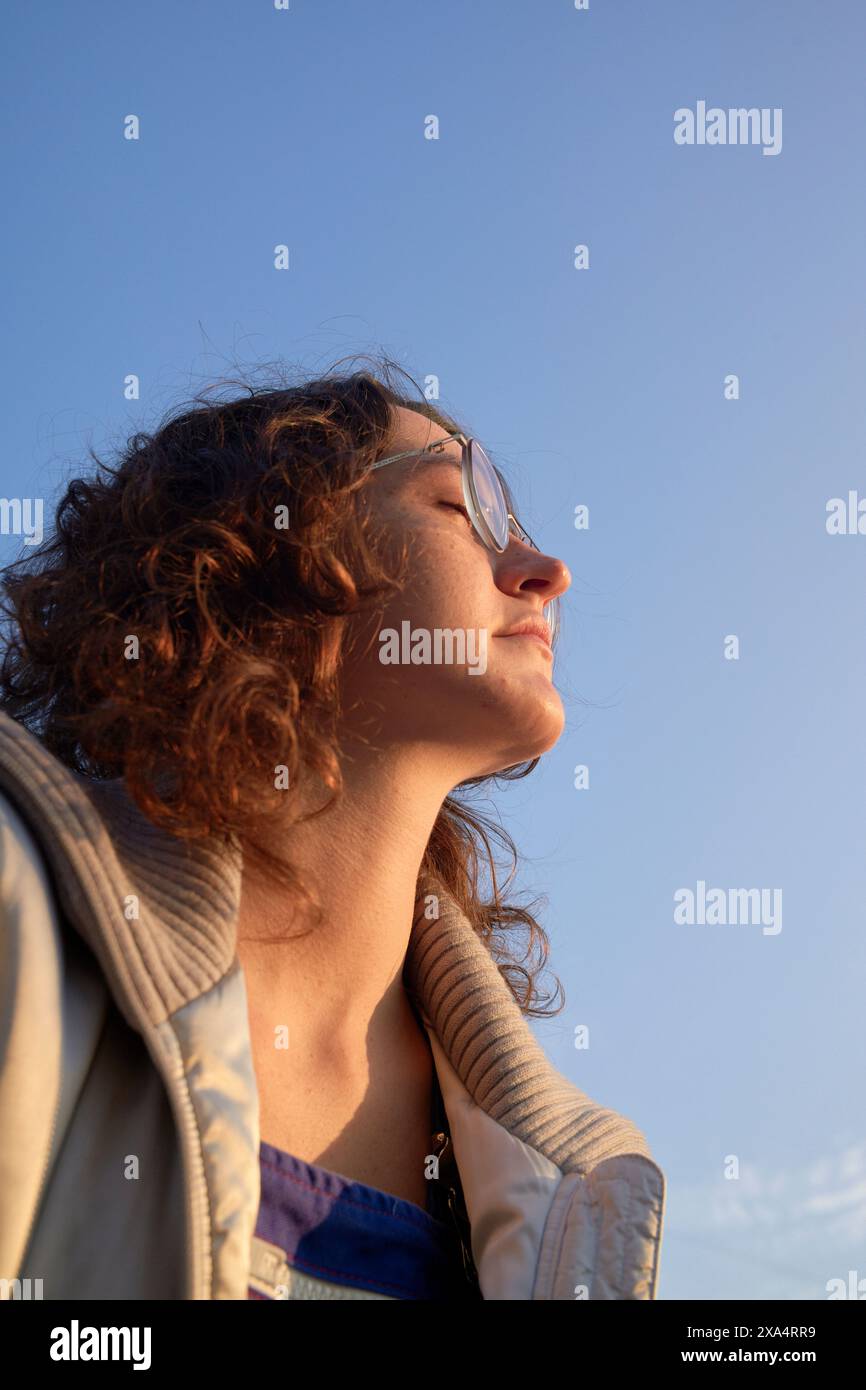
[
  {"x": 430, "y": 460},
  {"x": 447, "y": 458}
]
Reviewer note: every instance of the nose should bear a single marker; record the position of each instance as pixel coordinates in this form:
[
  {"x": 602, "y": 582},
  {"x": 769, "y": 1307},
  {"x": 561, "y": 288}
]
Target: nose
[{"x": 522, "y": 570}]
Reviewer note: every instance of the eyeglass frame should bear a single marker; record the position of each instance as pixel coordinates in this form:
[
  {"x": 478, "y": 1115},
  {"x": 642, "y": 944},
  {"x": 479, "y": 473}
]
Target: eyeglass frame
[{"x": 475, "y": 515}]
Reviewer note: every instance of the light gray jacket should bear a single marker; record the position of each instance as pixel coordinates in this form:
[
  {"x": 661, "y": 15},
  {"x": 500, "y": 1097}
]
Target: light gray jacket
[{"x": 129, "y": 1120}]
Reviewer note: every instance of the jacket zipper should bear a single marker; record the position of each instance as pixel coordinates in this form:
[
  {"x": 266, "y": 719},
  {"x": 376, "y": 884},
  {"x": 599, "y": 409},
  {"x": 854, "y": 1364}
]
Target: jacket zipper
[{"x": 444, "y": 1151}]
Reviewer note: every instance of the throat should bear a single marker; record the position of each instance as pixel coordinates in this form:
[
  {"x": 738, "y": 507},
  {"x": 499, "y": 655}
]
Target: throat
[{"x": 370, "y": 1120}]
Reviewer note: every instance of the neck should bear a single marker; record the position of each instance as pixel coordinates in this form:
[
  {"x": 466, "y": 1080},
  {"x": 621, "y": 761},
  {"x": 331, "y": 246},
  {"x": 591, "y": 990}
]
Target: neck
[{"x": 340, "y": 981}]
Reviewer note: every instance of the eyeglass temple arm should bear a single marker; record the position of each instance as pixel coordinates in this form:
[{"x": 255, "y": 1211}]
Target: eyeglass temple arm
[{"x": 408, "y": 453}]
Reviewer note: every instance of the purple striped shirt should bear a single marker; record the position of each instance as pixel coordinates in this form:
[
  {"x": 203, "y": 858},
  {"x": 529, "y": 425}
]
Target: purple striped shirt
[{"x": 344, "y": 1232}]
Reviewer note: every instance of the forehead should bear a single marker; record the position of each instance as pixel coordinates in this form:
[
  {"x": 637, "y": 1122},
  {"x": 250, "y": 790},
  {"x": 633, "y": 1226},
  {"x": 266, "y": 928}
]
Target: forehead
[{"x": 412, "y": 430}]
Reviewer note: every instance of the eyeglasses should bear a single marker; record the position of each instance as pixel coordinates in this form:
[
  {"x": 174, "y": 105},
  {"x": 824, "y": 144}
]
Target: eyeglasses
[{"x": 485, "y": 502}]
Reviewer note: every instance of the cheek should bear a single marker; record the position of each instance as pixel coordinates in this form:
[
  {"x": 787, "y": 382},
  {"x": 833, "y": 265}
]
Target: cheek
[{"x": 450, "y": 584}]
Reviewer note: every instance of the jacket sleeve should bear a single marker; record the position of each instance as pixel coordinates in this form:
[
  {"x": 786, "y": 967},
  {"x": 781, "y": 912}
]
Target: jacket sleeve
[
  {"x": 31, "y": 996},
  {"x": 52, "y": 1009},
  {"x": 604, "y": 1232}
]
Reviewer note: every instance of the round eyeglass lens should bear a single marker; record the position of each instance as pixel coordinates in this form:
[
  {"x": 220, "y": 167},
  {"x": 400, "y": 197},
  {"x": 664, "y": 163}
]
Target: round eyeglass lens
[{"x": 489, "y": 497}]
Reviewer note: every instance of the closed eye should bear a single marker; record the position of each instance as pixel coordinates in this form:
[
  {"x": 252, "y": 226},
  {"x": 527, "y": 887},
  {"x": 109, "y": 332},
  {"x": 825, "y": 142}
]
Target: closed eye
[{"x": 457, "y": 507}]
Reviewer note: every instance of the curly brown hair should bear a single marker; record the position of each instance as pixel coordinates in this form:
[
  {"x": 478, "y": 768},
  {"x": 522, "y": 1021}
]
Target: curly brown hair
[{"x": 176, "y": 553}]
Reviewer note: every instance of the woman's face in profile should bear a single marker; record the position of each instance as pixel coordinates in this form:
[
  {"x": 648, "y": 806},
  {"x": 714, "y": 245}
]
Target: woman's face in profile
[{"x": 484, "y": 699}]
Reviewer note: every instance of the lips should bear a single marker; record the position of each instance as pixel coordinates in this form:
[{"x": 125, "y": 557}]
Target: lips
[
  {"x": 530, "y": 627},
  {"x": 532, "y": 637}
]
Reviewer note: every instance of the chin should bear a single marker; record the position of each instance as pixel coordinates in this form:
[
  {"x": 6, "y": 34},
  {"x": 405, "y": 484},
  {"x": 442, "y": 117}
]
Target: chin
[{"x": 529, "y": 729}]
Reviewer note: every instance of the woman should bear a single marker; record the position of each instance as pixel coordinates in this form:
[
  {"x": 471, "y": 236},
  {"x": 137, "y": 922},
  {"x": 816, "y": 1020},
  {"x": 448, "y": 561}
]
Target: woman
[{"x": 266, "y": 1035}]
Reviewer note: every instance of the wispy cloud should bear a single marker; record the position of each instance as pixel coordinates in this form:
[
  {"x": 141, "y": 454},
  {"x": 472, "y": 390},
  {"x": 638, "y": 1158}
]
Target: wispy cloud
[{"x": 771, "y": 1233}]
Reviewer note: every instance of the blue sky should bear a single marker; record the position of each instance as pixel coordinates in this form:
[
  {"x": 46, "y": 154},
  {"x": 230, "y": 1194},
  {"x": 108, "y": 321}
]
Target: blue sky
[{"x": 602, "y": 387}]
